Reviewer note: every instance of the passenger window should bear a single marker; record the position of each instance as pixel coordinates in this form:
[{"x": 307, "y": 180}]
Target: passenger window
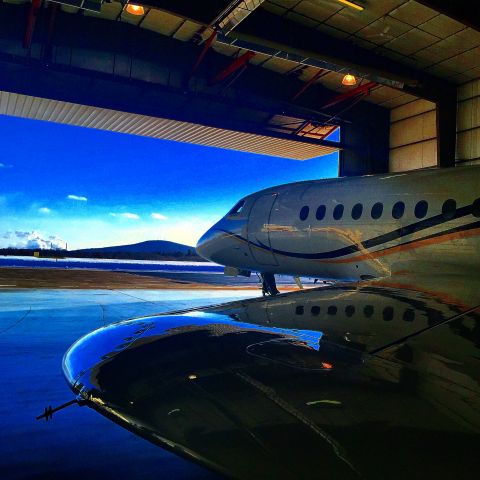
[
  {"x": 349, "y": 310},
  {"x": 320, "y": 214},
  {"x": 398, "y": 210},
  {"x": 377, "y": 210},
  {"x": 449, "y": 209},
  {"x": 357, "y": 211},
  {"x": 315, "y": 310},
  {"x": 409, "y": 315},
  {"x": 338, "y": 212},
  {"x": 476, "y": 208},
  {"x": 299, "y": 310},
  {"x": 368, "y": 311},
  {"x": 421, "y": 209},
  {"x": 237, "y": 208},
  {"x": 304, "y": 212},
  {"x": 332, "y": 310},
  {"x": 388, "y": 314}
]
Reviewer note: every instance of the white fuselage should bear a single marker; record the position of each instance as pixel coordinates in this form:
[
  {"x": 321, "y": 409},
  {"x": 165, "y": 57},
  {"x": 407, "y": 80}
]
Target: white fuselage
[{"x": 355, "y": 228}]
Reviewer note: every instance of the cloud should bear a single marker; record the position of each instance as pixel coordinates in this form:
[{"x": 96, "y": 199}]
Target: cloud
[
  {"x": 4, "y": 165},
  {"x": 127, "y": 215},
  {"x": 34, "y": 239},
  {"x": 158, "y": 216},
  {"x": 77, "y": 197},
  {"x": 44, "y": 211}
]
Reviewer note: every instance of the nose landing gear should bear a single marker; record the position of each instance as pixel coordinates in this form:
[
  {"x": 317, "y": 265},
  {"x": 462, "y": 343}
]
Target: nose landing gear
[{"x": 269, "y": 286}]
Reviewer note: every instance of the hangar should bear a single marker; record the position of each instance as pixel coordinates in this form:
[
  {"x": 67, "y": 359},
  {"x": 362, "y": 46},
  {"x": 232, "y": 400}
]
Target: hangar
[{"x": 400, "y": 78}]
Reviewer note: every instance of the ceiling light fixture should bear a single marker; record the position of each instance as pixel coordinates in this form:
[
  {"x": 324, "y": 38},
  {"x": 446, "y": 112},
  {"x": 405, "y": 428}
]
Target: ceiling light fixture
[
  {"x": 353, "y": 5},
  {"x": 134, "y": 9},
  {"x": 349, "y": 80}
]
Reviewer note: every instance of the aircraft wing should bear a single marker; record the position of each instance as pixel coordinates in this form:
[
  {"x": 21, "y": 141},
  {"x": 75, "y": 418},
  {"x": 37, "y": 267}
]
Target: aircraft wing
[{"x": 372, "y": 380}]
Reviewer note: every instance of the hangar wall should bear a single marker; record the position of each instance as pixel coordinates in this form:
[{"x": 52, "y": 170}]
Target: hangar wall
[
  {"x": 413, "y": 136},
  {"x": 468, "y": 124}
]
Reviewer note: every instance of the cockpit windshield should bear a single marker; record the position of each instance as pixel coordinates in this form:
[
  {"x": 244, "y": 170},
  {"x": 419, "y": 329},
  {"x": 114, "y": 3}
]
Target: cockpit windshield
[{"x": 237, "y": 208}]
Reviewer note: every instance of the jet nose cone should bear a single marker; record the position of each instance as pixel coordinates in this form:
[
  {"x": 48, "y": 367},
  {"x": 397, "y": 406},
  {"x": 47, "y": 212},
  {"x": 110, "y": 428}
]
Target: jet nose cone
[
  {"x": 86, "y": 354},
  {"x": 207, "y": 245}
]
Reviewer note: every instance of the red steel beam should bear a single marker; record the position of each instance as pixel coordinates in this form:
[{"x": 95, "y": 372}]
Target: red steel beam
[
  {"x": 360, "y": 90},
  {"x": 308, "y": 84},
  {"x": 206, "y": 47},
  {"x": 31, "y": 19},
  {"x": 52, "y": 13},
  {"x": 234, "y": 78},
  {"x": 233, "y": 67}
]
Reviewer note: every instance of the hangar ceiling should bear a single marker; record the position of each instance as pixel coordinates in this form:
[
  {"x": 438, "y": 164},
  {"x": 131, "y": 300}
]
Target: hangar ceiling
[{"x": 400, "y": 51}]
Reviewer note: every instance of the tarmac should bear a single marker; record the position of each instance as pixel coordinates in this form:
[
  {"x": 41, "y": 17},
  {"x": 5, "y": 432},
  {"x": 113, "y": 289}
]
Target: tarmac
[
  {"x": 36, "y": 328},
  {"x": 21, "y": 277}
]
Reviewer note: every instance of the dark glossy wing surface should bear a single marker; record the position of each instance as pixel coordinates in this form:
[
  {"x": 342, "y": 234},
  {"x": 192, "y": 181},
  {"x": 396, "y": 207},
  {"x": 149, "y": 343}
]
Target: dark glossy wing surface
[{"x": 376, "y": 380}]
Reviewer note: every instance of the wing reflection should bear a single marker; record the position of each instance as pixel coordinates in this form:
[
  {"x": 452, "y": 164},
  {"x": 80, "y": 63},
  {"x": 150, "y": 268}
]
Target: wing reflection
[{"x": 287, "y": 387}]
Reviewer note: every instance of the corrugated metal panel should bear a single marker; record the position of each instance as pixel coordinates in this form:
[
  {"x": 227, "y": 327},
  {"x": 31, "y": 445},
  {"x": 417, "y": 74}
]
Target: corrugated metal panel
[
  {"x": 468, "y": 124},
  {"x": 413, "y": 157},
  {"x": 108, "y": 11},
  {"x": 413, "y": 136},
  {"x": 105, "y": 119},
  {"x": 413, "y": 129},
  {"x": 469, "y": 90},
  {"x": 161, "y": 22},
  {"x": 468, "y": 114},
  {"x": 468, "y": 145},
  {"x": 186, "y": 31},
  {"x": 411, "y": 109}
]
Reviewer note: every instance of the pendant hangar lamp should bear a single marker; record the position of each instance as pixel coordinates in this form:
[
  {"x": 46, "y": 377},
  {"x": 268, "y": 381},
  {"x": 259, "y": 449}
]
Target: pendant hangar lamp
[
  {"x": 134, "y": 9},
  {"x": 349, "y": 80}
]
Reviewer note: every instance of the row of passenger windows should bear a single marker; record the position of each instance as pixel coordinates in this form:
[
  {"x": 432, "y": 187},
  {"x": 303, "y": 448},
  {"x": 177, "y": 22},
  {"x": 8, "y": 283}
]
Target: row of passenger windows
[
  {"x": 449, "y": 209},
  {"x": 368, "y": 311}
]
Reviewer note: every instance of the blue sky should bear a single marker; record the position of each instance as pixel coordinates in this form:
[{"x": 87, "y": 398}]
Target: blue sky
[{"x": 93, "y": 188}]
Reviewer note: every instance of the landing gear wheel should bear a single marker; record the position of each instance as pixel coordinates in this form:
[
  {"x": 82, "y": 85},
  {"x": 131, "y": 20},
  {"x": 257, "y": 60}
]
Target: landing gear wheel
[{"x": 269, "y": 286}]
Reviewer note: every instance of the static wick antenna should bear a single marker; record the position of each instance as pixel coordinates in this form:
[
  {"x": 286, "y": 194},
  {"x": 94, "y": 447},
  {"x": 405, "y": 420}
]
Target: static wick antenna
[{"x": 49, "y": 411}]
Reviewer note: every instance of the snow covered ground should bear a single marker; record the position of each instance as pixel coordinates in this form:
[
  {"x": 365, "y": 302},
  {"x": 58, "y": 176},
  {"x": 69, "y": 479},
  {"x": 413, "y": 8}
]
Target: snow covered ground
[{"x": 111, "y": 264}]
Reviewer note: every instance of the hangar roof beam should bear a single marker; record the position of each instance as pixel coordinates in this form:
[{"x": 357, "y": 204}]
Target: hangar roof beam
[
  {"x": 271, "y": 31},
  {"x": 267, "y": 33}
]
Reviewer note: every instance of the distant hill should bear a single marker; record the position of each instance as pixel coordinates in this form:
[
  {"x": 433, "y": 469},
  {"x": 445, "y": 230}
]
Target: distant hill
[
  {"x": 149, "y": 250},
  {"x": 150, "y": 246}
]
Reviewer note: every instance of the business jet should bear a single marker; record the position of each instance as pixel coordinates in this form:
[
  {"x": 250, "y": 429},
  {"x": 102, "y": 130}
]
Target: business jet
[
  {"x": 376, "y": 375},
  {"x": 354, "y": 228}
]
